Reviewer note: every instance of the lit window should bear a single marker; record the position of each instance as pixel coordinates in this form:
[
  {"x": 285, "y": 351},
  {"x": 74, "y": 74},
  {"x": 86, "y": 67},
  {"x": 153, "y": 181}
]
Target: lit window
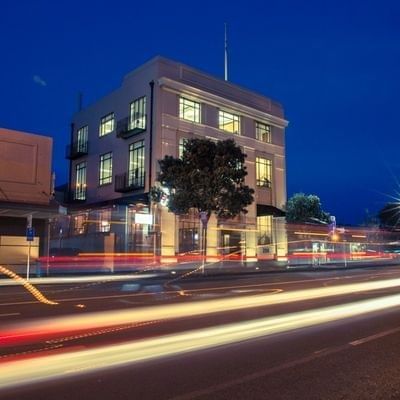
[
  {"x": 103, "y": 221},
  {"x": 80, "y": 181},
  {"x": 189, "y": 110},
  {"x": 264, "y": 230},
  {"x": 80, "y": 224},
  {"x": 106, "y": 124},
  {"x": 263, "y": 132},
  {"x": 182, "y": 144},
  {"x": 82, "y": 139},
  {"x": 136, "y": 164},
  {"x": 229, "y": 122},
  {"x": 263, "y": 172},
  {"x": 105, "y": 169},
  {"x": 138, "y": 114}
]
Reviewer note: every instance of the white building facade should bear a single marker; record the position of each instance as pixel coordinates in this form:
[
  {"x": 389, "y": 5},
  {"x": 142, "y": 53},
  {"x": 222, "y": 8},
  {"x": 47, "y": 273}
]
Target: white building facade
[{"x": 115, "y": 147}]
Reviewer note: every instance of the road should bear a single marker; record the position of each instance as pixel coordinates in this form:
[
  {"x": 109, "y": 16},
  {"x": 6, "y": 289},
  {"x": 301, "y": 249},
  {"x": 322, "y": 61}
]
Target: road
[{"x": 308, "y": 335}]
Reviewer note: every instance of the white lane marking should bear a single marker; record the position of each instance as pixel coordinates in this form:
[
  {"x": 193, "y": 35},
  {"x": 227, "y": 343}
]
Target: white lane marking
[
  {"x": 257, "y": 375},
  {"x": 10, "y": 314},
  {"x": 374, "y": 337}
]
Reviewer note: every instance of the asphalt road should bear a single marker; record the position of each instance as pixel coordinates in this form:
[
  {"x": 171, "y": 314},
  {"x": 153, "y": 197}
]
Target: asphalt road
[{"x": 347, "y": 358}]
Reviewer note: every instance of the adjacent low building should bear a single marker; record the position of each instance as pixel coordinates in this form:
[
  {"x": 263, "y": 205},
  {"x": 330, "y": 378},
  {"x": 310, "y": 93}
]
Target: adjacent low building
[
  {"x": 25, "y": 195},
  {"x": 114, "y": 151}
]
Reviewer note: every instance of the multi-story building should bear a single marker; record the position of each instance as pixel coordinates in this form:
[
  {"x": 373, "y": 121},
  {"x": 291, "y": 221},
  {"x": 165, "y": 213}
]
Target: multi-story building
[
  {"x": 116, "y": 144},
  {"x": 25, "y": 195}
]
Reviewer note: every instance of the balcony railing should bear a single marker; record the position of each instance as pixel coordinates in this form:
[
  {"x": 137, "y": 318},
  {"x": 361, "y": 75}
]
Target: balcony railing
[
  {"x": 76, "y": 150},
  {"x": 125, "y": 129},
  {"x": 129, "y": 182},
  {"x": 75, "y": 196}
]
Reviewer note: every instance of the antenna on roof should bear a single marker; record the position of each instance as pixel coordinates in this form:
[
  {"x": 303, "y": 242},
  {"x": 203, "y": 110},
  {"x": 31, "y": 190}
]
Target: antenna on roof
[
  {"x": 226, "y": 55},
  {"x": 80, "y": 101}
]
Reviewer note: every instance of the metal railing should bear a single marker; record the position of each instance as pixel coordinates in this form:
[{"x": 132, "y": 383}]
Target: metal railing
[{"x": 128, "y": 182}]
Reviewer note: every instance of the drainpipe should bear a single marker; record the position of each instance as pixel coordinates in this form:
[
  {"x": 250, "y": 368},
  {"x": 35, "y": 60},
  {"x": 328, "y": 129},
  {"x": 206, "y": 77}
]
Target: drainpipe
[{"x": 151, "y": 132}]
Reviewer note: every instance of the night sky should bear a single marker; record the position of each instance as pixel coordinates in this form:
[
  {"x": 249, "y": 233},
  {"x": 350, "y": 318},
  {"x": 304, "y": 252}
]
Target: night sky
[{"x": 334, "y": 65}]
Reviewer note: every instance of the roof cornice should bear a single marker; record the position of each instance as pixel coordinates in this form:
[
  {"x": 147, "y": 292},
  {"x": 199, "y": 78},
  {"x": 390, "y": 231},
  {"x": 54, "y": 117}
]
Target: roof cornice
[{"x": 220, "y": 102}]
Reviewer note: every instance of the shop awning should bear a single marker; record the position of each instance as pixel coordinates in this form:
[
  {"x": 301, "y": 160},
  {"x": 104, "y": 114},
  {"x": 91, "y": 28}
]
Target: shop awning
[{"x": 264, "y": 210}]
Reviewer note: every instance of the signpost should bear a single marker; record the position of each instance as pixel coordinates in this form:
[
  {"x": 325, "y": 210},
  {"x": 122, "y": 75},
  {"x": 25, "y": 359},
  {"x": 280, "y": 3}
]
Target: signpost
[
  {"x": 30, "y": 236},
  {"x": 204, "y": 221}
]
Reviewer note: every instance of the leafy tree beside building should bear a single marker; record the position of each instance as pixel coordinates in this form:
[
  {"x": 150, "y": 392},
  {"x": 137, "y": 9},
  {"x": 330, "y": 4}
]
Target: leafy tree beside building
[
  {"x": 209, "y": 177},
  {"x": 302, "y": 208}
]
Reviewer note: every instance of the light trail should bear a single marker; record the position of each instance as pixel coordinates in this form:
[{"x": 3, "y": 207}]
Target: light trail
[
  {"x": 22, "y": 332},
  {"x": 77, "y": 279},
  {"x": 28, "y": 286},
  {"x": 33, "y": 370}
]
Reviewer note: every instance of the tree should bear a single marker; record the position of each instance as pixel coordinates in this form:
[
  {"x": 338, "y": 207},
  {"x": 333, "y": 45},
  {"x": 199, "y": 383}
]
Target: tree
[
  {"x": 305, "y": 208},
  {"x": 209, "y": 178},
  {"x": 389, "y": 216}
]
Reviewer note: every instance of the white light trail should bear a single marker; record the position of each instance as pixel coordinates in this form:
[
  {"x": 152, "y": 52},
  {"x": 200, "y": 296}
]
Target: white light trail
[
  {"x": 78, "y": 279},
  {"x": 28, "y": 371},
  {"x": 53, "y": 326}
]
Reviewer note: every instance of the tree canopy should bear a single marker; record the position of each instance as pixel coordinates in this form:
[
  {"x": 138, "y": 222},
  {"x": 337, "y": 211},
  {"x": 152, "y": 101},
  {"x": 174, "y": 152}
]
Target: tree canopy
[
  {"x": 209, "y": 177},
  {"x": 305, "y": 208}
]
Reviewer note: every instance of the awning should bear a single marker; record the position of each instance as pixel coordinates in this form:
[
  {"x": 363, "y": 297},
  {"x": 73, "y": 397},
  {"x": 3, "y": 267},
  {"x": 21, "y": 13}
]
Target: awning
[
  {"x": 125, "y": 200},
  {"x": 23, "y": 210},
  {"x": 264, "y": 210}
]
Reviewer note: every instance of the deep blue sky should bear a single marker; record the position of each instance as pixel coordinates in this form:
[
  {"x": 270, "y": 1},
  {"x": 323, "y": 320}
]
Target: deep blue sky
[{"x": 334, "y": 65}]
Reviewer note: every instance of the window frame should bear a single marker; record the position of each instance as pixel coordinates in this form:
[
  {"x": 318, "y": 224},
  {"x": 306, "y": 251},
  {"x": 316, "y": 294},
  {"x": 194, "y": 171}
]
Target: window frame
[
  {"x": 107, "y": 124},
  {"x": 80, "y": 181},
  {"x": 195, "y": 108},
  {"x": 136, "y": 175},
  {"x": 263, "y": 132},
  {"x": 82, "y": 135},
  {"x": 225, "y": 116},
  {"x": 264, "y": 230},
  {"x": 138, "y": 106},
  {"x": 105, "y": 175},
  {"x": 263, "y": 172}
]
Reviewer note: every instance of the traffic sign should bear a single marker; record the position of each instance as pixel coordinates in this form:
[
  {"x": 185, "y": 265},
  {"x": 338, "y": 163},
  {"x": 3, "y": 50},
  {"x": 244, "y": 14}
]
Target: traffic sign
[
  {"x": 30, "y": 234},
  {"x": 204, "y": 218}
]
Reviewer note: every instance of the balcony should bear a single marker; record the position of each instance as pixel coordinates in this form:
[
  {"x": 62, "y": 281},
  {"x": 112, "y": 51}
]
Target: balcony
[
  {"x": 129, "y": 182},
  {"x": 125, "y": 129},
  {"x": 76, "y": 150},
  {"x": 75, "y": 196}
]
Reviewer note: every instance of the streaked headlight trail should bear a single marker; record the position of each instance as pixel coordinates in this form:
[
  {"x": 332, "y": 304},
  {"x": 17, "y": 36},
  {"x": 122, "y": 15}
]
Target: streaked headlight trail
[
  {"x": 28, "y": 371},
  {"x": 44, "y": 328}
]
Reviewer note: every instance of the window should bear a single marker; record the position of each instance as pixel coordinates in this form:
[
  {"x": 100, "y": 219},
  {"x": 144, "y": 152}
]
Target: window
[
  {"x": 103, "y": 221},
  {"x": 105, "y": 169},
  {"x": 264, "y": 230},
  {"x": 229, "y": 122},
  {"x": 189, "y": 231},
  {"x": 263, "y": 172},
  {"x": 80, "y": 224},
  {"x": 189, "y": 110},
  {"x": 80, "y": 181},
  {"x": 263, "y": 132},
  {"x": 138, "y": 114},
  {"x": 82, "y": 139},
  {"x": 182, "y": 143},
  {"x": 136, "y": 164},
  {"x": 106, "y": 124}
]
